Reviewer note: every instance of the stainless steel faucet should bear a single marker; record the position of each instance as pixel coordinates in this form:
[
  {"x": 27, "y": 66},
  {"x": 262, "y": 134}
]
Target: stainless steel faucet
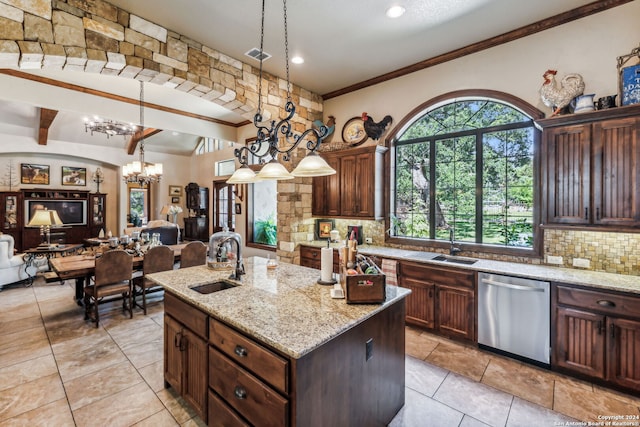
[
  {"x": 239, "y": 271},
  {"x": 453, "y": 250}
]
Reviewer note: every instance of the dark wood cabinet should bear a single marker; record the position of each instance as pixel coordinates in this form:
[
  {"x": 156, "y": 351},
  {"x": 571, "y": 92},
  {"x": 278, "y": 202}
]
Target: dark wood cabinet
[
  {"x": 310, "y": 257},
  {"x": 196, "y": 229},
  {"x": 597, "y": 335},
  {"x": 97, "y": 213},
  {"x": 196, "y": 225},
  {"x": 12, "y": 216},
  {"x": 84, "y": 215},
  {"x": 357, "y": 188},
  {"x": 591, "y": 168},
  {"x": 186, "y": 355},
  {"x": 442, "y": 299}
]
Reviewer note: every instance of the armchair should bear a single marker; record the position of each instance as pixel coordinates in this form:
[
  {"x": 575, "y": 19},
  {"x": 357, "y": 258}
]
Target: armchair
[{"x": 12, "y": 266}]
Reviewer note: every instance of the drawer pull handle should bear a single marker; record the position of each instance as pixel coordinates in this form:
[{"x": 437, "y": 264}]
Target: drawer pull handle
[
  {"x": 606, "y": 303},
  {"x": 241, "y": 351},
  {"x": 240, "y": 392}
]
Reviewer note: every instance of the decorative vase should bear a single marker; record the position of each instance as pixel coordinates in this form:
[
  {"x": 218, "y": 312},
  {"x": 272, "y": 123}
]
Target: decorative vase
[{"x": 583, "y": 103}]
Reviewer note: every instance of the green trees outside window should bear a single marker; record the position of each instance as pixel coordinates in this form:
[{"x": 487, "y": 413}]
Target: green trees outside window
[{"x": 467, "y": 166}]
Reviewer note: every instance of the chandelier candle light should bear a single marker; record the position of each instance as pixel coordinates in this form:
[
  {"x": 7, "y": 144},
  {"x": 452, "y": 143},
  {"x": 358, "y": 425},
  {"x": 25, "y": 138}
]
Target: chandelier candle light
[
  {"x": 267, "y": 144},
  {"x": 140, "y": 171}
]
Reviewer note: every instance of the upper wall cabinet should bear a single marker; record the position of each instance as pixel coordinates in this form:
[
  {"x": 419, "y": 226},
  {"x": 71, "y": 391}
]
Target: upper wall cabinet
[
  {"x": 357, "y": 188},
  {"x": 591, "y": 169}
]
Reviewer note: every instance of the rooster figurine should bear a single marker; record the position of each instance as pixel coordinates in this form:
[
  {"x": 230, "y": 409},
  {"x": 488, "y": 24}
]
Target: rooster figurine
[
  {"x": 555, "y": 97},
  {"x": 375, "y": 130},
  {"x": 330, "y": 125}
]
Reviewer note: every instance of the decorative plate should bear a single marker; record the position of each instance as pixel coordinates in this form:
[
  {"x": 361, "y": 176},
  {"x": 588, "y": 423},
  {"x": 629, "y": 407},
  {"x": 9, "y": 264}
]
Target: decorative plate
[{"x": 353, "y": 132}]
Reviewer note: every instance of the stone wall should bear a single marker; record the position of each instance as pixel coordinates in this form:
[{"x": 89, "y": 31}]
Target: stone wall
[{"x": 94, "y": 36}]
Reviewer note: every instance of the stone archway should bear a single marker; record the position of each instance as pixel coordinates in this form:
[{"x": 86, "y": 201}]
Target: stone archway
[{"x": 94, "y": 36}]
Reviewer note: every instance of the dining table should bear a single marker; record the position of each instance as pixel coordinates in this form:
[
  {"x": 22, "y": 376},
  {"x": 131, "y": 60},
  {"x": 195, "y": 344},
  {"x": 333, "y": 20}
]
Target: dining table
[{"x": 81, "y": 267}]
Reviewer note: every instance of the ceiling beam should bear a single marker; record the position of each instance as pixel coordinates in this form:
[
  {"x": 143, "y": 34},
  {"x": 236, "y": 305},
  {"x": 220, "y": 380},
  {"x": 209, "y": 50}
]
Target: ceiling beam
[
  {"x": 136, "y": 137},
  {"x": 107, "y": 95},
  {"x": 46, "y": 118}
]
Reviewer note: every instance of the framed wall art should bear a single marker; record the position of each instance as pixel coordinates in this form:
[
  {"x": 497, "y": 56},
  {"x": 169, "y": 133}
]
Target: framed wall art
[
  {"x": 175, "y": 200},
  {"x": 74, "y": 176},
  {"x": 175, "y": 190},
  {"x": 34, "y": 174},
  {"x": 353, "y": 132},
  {"x": 323, "y": 228}
]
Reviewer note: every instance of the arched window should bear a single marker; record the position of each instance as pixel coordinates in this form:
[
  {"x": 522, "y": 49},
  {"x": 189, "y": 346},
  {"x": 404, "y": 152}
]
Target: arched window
[{"x": 464, "y": 168}]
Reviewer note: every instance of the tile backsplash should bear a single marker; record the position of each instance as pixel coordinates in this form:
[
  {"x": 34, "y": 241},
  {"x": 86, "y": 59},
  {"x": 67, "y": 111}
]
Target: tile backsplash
[{"x": 606, "y": 251}]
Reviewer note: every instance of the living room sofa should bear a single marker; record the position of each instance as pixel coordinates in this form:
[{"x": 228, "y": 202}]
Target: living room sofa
[
  {"x": 168, "y": 231},
  {"x": 12, "y": 266}
]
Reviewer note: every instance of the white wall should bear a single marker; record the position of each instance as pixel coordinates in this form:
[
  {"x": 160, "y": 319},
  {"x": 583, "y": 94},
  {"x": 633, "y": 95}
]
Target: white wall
[
  {"x": 59, "y": 153},
  {"x": 588, "y": 46}
]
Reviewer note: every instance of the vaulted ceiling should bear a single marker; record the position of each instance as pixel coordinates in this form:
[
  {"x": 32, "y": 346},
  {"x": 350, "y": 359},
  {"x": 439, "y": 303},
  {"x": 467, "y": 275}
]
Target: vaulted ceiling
[{"x": 345, "y": 45}]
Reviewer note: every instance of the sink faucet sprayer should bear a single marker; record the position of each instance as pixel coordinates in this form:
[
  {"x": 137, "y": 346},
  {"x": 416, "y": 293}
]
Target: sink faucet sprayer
[
  {"x": 453, "y": 250},
  {"x": 239, "y": 266}
]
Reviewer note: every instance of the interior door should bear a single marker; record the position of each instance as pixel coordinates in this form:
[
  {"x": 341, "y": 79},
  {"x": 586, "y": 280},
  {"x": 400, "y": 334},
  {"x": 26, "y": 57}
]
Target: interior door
[{"x": 223, "y": 200}]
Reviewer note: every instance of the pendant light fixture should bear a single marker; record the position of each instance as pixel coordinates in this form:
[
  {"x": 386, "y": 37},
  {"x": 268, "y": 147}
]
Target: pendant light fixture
[
  {"x": 278, "y": 137},
  {"x": 141, "y": 172}
]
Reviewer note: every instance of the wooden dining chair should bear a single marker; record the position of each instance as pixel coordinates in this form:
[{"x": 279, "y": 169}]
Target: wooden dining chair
[
  {"x": 194, "y": 253},
  {"x": 158, "y": 258},
  {"x": 113, "y": 276}
]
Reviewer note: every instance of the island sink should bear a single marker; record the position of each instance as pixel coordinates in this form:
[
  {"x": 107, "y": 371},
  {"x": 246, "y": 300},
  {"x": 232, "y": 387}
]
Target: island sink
[
  {"x": 455, "y": 259},
  {"x": 209, "y": 288}
]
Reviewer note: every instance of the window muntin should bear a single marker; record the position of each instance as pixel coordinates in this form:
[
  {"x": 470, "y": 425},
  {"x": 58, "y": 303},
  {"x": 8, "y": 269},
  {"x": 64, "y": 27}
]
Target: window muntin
[{"x": 478, "y": 154}]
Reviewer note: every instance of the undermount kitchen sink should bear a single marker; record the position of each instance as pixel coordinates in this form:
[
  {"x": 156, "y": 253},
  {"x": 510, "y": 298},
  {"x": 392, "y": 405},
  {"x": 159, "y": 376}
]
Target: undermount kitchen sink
[
  {"x": 455, "y": 259},
  {"x": 209, "y": 288}
]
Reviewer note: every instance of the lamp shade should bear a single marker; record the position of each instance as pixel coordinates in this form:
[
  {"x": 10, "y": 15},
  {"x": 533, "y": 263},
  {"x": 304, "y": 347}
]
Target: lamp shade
[
  {"x": 242, "y": 175},
  {"x": 44, "y": 217},
  {"x": 313, "y": 165},
  {"x": 165, "y": 210},
  {"x": 274, "y": 170}
]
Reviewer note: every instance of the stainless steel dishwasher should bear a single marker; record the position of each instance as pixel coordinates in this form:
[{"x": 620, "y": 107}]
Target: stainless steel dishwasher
[{"x": 514, "y": 316}]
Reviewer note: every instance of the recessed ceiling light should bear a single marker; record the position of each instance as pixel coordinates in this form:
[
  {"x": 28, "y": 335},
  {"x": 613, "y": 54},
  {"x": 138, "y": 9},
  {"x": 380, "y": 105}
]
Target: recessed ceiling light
[
  {"x": 395, "y": 11},
  {"x": 297, "y": 60}
]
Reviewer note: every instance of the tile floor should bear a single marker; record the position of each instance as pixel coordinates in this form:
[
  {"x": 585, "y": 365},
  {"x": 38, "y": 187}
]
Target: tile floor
[{"x": 58, "y": 370}]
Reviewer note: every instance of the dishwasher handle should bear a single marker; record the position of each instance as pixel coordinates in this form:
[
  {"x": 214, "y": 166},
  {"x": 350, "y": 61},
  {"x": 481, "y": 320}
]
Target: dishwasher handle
[{"x": 512, "y": 286}]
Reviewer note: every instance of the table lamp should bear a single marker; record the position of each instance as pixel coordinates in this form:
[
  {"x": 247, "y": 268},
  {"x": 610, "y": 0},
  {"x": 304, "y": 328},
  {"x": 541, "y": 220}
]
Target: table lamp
[
  {"x": 45, "y": 219},
  {"x": 165, "y": 211}
]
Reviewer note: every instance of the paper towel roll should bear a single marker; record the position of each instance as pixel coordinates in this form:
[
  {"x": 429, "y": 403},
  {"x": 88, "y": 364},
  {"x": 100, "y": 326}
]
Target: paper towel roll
[{"x": 326, "y": 264}]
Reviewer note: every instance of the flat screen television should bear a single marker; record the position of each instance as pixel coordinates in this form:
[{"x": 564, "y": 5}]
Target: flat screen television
[{"x": 71, "y": 212}]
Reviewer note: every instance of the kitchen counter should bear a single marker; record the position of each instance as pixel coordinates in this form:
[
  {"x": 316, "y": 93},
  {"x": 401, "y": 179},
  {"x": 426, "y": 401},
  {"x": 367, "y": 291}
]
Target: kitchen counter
[
  {"x": 283, "y": 308},
  {"x": 608, "y": 281}
]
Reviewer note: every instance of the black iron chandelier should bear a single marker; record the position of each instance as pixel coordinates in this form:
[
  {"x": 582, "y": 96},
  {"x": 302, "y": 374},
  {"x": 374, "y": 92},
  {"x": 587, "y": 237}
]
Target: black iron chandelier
[
  {"x": 278, "y": 138},
  {"x": 108, "y": 127}
]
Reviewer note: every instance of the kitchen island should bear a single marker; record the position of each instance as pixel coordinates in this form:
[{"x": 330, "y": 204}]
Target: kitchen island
[{"x": 278, "y": 350}]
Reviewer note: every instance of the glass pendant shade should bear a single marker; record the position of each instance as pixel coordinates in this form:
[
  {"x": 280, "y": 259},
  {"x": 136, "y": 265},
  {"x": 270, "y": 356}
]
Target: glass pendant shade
[
  {"x": 274, "y": 170},
  {"x": 242, "y": 175},
  {"x": 313, "y": 165}
]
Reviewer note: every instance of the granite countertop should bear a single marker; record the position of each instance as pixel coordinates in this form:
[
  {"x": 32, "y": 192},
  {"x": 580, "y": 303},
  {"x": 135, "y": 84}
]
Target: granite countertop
[
  {"x": 284, "y": 308},
  {"x": 596, "y": 279}
]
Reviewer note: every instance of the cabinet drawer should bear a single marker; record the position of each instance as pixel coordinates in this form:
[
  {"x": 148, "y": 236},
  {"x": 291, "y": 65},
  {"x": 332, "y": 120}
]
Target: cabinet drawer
[
  {"x": 256, "y": 401},
  {"x": 605, "y": 302},
  {"x": 191, "y": 317},
  {"x": 444, "y": 276},
  {"x": 251, "y": 355},
  {"x": 309, "y": 253},
  {"x": 221, "y": 415}
]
